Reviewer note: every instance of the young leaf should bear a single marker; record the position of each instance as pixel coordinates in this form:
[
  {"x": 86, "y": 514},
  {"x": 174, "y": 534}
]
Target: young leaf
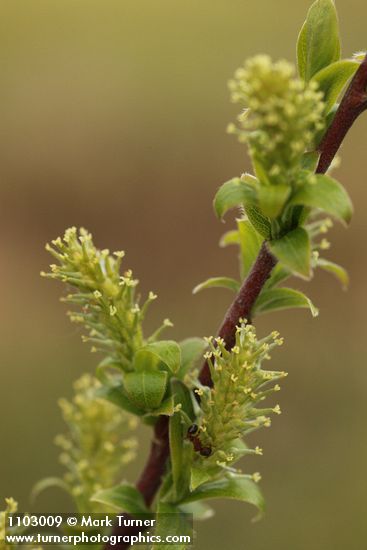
[
  {"x": 166, "y": 351},
  {"x": 277, "y": 299},
  {"x": 250, "y": 242},
  {"x": 294, "y": 251},
  {"x": 183, "y": 397},
  {"x": 231, "y": 237},
  {"x": 332, "y": 79},
  {"x": 200, "y": 475},
  {"x": 173, "y": 521},
  {"x": 218, "y": 282},
  {"x": 117, "y": 395},
  {"x": 105, "y": 368},
  {"x": 234, "y": 192},
  {"x": 279, "y": 274},
  {"x": 181, "y": 452},
  {"x": 236, "y": 486},
  {"x": 192, "y": 350},
  {"x": 310, "y": 161},
  {"x": 145, "y": 360},
  {"x": 166, "y": 408},
  {"x": 272, "y": 199},
  {"x": 146, "y": 389},
  {"x": 340, "y": 273},
  {"x": 318, "y": 43},
  {"x": 124, "y": 497},
  {"x": 259, "y": 222},
  {"x": 260, "y": 171},
  {"x": 328, "y": 195}
]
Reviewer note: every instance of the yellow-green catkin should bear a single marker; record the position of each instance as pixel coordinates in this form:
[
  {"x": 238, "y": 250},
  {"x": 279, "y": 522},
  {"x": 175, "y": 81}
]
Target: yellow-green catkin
[
  {"x": 230, "y": 409},
  {"x": 11, "y": 507},
  {"x": 98, "y": 444},
  {"x": 105, "y": 300},
  {"x": 282, "y": 115}
]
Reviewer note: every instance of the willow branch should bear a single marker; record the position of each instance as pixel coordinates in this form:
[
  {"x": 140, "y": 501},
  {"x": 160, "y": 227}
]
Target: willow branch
[{"x": 352, "y": 105}]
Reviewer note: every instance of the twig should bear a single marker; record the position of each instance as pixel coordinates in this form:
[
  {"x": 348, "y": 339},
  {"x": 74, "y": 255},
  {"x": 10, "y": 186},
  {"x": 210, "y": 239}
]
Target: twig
[
  {"x": 352, "y": 105},
  {"x": 150, "y": 478}
]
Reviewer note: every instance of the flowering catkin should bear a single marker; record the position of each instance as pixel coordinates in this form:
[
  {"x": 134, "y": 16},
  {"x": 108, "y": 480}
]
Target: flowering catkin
[
  {"x": 105, "y": 300},
  {"x": 239, "y": 384},
  {"x": 97, "y": 445},
  {"x": 5, "y": 529},
  {"x": 281, "y": 118}
]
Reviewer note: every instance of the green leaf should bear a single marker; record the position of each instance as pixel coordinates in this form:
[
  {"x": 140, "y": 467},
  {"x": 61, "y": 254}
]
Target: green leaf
[
  {"x": 171, "y": 520},
  {"x": 192, "y": 350},
  {"x": 183, "y": 396},
  {"x": 260, "y": 171},
  {"x": 318, "y": 43},
  {"x": 146, "y": 389},
  {"x": 279, "y": 274},
  {"x": 117, "y": 395},
  {"x": 310, "y": 161},
  {"x": 105, "y": 368},
  {"x": 250, "y": 242},
  {"x": 260, "y": 222},
  {"x": 277, "y": 299},
  {"x": 328, "y": 121},
  {"x": 272, "y": 199},
  {"x": 166, "y": 351},
  {"x": 200, "y": 475},
  {"x": 340, "y": 273},
  {"x": 332, "y": 79},
  {"x": 328, "y": 195},
  {"x": 238, "y": 487},
  {"x": 124, "y": 497},
  {"x": 234, "y": 192},
  {"x": 231, "y": 237},
  {"x": 294, "y": 251},
  {"x": 166, "y": 408},
  {"x": 145, "y": 360},
  {"x": 218, "y": 282},
  {"x": 181, "y": 450},
  {"x": 181, "y": 453}
]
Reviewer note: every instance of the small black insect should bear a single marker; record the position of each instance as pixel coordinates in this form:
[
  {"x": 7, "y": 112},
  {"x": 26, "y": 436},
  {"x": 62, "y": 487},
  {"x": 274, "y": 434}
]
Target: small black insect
[
  {"x": 192, "y": 435},
  {"x": 205, "y": 451},
  {"x": 193, "y": 429}
]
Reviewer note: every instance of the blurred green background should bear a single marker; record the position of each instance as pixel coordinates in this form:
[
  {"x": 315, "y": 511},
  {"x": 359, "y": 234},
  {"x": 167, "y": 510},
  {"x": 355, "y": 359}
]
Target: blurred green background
[{"x": 113, "y": 116}]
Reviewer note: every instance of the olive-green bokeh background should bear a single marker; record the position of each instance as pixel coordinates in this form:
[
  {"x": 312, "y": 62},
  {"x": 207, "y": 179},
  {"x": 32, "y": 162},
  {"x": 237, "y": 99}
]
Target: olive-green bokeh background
[{"x": 113, "y": 116}]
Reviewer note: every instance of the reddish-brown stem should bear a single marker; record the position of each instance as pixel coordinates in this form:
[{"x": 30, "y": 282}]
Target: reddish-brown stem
[
  {"x": 352, "y": 105},
  {"x": 243, "y": 303},
  {"x": 151, "y": 477}
]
